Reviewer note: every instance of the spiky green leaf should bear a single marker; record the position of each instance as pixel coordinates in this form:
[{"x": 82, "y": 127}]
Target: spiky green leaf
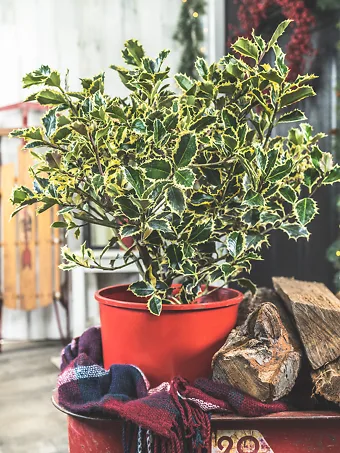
[
  {"x": 292, "y": 117},
  {"x": 297, "y": 95},
  {"x": 184, "y": 82},
  {"x": 236, "y": 243},
  {"x": 134, "y": 176},
  {"x": 185, "y": 150},
  {"x": 50, "y": 97},
  {"x": 185, "y": 177},
  {"x": 128, "y": 207},
  {"x": 278, "y": 32},
  {"x": 246, "y": 48},
  {"x": 175, "y": 199},
  {"x": 50, "y": 122},
  {"x": 158, "y": 169},
  {"x": 334, "y": 175},
  {"x": 142, "y": 289},
  {"x": 281, "y": 171},
  {"x": 295, "y": 231},
  {"x": 253, "y": 198},
  {"x": 305, "y": 210},
  {"x": 155, "y": 305},
  {"x": 288, "y": 194},
  {"x": 201, "y": 233},
  {"x": 128, "y": 230},
  {"x": 160, "y": 225}
]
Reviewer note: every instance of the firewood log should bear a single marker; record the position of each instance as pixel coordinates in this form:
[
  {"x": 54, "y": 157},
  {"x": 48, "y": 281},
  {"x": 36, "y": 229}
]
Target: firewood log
[
  {"x": 260, "y": 357},
  {"x": 252, "y": 301},
  {"x": 317, "y": 316},
  {"x": 327, "y": 381}
]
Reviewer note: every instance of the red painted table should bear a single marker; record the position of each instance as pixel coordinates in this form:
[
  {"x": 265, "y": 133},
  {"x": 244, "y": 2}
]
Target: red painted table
[{"x": 286, "y": 432}]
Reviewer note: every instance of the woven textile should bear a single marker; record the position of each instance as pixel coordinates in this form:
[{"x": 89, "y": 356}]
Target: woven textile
[{"x": 174, "y": 417}]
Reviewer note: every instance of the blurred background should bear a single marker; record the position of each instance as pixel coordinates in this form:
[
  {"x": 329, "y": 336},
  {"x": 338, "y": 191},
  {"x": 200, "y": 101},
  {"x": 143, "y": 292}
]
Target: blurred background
[{"x": 40, "y": 307}]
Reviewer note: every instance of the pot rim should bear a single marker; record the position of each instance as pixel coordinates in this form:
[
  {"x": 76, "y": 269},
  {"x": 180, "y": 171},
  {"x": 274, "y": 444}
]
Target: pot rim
[{"x": 233, "y": 297}]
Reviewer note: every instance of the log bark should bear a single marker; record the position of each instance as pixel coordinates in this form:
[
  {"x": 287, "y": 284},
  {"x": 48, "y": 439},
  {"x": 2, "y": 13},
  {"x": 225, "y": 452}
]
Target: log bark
[
  {"x": 252, "y": 301},
  {"x": 327, "y": 381},
  {"x": 259, "y": 357},
  {"x": 316, "y": 313}
]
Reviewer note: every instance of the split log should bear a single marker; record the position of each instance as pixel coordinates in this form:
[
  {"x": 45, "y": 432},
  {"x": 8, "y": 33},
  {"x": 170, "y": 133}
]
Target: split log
[
  {"x": 327, "y": 381},
  {"x": 317, "y": 316},
  {"x": 252, "y": 301},
  {"x": 259, "y": 357}
]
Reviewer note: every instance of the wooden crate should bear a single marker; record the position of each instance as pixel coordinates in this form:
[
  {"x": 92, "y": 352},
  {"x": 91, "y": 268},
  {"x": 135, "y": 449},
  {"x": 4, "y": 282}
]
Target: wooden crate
[{"x": 31, "y": 250}]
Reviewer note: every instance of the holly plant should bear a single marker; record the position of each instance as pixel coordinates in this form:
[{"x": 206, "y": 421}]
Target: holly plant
[{"x": 197, "y": 179}]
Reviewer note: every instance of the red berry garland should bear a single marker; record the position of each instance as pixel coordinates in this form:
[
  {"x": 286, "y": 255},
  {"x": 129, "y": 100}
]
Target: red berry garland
[{"x": 252, "y": 13}]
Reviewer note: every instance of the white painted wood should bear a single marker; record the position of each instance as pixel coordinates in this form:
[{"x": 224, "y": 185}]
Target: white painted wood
[
  {"x": 216, "y": 30},
  {"x": 77, "y": 302},
  {"x": 84, "y": 307},
  {"x": 84, "y": 36}
]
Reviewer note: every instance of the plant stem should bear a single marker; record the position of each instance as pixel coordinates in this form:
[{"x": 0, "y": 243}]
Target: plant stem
[
  {"x": 106, "y": 268},
  {"x": 95, "y": 150}
]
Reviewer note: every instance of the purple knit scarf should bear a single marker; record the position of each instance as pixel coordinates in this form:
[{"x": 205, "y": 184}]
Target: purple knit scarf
[{"x": 174, "y": 417}]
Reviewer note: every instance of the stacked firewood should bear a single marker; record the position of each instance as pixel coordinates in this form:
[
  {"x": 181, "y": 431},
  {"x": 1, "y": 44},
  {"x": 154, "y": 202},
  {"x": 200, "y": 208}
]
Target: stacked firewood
[{"x": 283, "y": 334}]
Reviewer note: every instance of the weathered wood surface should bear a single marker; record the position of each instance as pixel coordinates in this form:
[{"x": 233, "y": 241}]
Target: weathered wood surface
[
  {"x": 57, "y": 242},
  {"x": 8, "y": 237},
  {"x": 45, "y": 261},
  {"x": 317, "y": 315},
  {"x": 27, "y": 240},
  {"x": 252, "y": 301},
  {"x": 327, "y": 381},
  {"x": 259, "y": 357}
]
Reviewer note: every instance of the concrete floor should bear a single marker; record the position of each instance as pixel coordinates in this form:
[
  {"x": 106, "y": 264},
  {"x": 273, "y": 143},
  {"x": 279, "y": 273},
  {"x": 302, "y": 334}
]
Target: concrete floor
[{"x": 29, "y": 423}]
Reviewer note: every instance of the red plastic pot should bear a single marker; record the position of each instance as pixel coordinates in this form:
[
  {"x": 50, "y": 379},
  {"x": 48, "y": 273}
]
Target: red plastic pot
[{"x": 180, "y": 342}]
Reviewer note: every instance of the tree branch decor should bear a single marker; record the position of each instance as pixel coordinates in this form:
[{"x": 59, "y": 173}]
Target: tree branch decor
[
  {"x": 189, "y": 34},
  {"x": 195, "y": 179}
]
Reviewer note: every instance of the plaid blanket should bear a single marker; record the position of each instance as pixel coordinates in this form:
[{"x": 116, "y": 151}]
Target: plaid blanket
[{"x": 174, "y": 417}]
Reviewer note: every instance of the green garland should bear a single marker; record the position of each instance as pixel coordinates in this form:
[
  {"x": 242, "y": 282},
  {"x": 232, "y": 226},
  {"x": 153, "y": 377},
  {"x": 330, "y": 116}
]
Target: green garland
[{"x": 189, "y": 34}]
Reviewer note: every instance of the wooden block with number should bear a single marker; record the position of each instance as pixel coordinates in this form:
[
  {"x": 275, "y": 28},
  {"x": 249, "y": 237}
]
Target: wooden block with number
[{"x": 316, "y": 312}]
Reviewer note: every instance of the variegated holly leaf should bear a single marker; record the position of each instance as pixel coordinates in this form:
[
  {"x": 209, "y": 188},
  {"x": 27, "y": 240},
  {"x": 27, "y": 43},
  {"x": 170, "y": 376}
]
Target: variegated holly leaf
[
  {"x": 175, "y": 199},
  {"x": 201, "y": 233},
  {"x": 185, "y": 151},
  {"x": 236, "y": 243},
  {"x": 128, "y": 230},
  {"x": 305, "y": 210},
  {"x": 160, "y": 225},
  {"x": 184, "y": 177},
  {"x": 295, "y": 231},
  {"x": 142, "y": 289},
  {"x": 155, "y": 305},
  {"x": 157, "y": 169}
]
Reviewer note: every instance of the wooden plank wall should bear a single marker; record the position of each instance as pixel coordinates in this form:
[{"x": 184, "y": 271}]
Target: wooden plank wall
[
  {"x": 27, "y": 241},
  {"x": 91, "y": 39},
  {"x": 8, "y": 237},
  {"x": 45, "y": 258},
  {"x": 31, "y": 250}
]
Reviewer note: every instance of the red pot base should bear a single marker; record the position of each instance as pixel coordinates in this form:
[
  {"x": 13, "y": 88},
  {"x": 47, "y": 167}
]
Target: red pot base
[{"x": 180, "y": 342}]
